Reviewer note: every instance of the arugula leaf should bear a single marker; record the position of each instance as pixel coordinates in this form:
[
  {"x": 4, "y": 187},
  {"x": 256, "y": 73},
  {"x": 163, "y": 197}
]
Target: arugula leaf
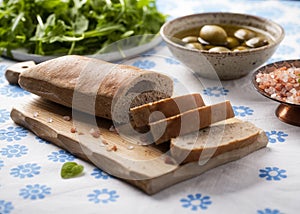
[
  {"x": 70, "y": 170},
  {"x": 60, "y": 27}
]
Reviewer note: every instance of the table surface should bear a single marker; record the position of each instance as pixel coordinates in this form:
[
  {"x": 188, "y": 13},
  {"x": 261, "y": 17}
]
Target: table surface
[{"x": 267, "y": 181}]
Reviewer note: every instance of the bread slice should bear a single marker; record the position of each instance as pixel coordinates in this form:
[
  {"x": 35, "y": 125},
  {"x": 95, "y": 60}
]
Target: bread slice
[
  {"x": 166, "y": 107},
  {"x": 215, "y": 140},
  {"x": 94, "y": 86},
  {"x": 190, "y": 121}
]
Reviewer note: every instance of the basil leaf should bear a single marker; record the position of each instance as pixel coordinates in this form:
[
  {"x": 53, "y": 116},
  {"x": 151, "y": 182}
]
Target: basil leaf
[{"x": 71, "y": 169}]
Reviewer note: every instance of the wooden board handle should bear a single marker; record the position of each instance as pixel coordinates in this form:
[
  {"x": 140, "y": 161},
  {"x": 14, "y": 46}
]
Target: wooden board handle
[{"x": 12, "y": 72}]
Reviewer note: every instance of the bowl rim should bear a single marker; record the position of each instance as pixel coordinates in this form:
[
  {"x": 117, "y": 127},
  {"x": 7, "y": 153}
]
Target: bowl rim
[
  {"x": 263, "y": 69},
  {"x": 261, "y": 19}
]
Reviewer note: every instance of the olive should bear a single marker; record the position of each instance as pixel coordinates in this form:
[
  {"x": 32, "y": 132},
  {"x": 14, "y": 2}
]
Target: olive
[
  {"x": 194, "y": 45},
  {"x": 256, "y": 42},
  {"x": 244, "y": 34},
  {"x": 218, "y": 49},
  {"x": 213, "y": 34},
  {"x": 189, "y": 39},
  {"x": 202, "y": 41},
  {"x": 207, "y": 47},
  {"x": 177, "y": 41},
  {"x": 232, "y": 42},
  {"x": 240, "y": 48}
]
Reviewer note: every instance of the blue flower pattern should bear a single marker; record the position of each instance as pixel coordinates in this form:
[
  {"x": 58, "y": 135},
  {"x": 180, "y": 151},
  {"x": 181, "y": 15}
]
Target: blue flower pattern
[
  {"x": 272, "y": 173},
  {"x": 103, "y": 196},
  {"x": 61, "y": 156},
  {"x": 99, "y": 174},
  {"x": 6, "y": 207},
  {"x": 144, "y": 64},
  {"x": 242, "y": 111},
  {"x": 27, "y": 170},
  {"x": 34, "y": 192},
  {"x": 195, "y": 202},
  {"x": 276, "y": 136},
  {"x": 13, "y": 91},
  {"x": 268, "y": 211},
  {"x": 172, "y": 61},
  {"x": 215, "y": 91},
  {"x": 13, "y": 133},
  {"x": 40, "y": 140},
  {"x": 4, "y": 115},
  {"x": 12, "y": 151}
]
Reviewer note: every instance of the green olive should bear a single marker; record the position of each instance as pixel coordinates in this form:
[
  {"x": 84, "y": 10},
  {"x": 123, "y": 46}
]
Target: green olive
[
  {"x": 189, "y": 39},
  {"x": 194, "y": 45},
  {"x": 218, "y": 49},
  {"x": 202, "y": 41},
  {"x": 207, "y": 47},
  {"x": 244, "y": 34},
  {"x": 256, "y": 42},
  {"x": 213, "y": 34},
  {"x": 232, "y": 42},
  {"x": 240, "y": 48}
]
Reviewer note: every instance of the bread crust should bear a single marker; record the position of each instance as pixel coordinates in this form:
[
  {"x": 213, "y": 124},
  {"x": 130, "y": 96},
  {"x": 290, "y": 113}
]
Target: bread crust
[
  {"x": 167, "y": 107},
  {"x": 92, "y": 85},
  {"x": 190, "y": 121}
]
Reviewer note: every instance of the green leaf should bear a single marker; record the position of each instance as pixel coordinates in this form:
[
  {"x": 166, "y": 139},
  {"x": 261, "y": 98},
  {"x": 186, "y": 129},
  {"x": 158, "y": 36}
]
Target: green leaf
[
  {"x": 81, "y": 24},
  {"x": 71, "y": 169}
]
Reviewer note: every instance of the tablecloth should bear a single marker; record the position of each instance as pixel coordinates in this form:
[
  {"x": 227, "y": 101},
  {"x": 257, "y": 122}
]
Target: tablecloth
[{"x": 264, "y": 182}]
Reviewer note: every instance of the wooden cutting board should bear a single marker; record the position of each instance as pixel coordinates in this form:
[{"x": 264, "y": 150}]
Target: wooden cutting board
[{"x": 146, "y": 167}]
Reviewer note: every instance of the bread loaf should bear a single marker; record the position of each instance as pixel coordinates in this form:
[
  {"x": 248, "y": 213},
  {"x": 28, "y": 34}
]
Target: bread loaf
[
  {"x": 190, "y": 121},
  {"x": 90, "y": 85},
  {"x": 219, "y": 138},
  {"x": 167, "y": 107}
]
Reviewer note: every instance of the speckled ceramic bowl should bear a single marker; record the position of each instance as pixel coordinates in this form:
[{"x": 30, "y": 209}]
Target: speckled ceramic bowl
[{"x": 222, "y": 65}]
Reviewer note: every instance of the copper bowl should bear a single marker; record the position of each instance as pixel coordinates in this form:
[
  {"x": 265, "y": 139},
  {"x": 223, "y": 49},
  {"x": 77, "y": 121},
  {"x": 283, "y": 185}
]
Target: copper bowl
[{"x": 286, "y": 112}]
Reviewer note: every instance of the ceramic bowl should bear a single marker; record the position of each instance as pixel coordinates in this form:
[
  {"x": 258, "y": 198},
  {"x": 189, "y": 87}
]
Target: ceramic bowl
[{"x": 222, "y": 65}]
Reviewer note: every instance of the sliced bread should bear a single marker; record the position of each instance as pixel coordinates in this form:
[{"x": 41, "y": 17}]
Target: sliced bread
[
  {"x": 167, "y": 107},
  {"x": 217, "y": 139},
  {"x": 190, "y": 121}
]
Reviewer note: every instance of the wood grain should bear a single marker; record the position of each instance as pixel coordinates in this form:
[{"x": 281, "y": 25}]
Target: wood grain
[{"x": 142, "y": 166}]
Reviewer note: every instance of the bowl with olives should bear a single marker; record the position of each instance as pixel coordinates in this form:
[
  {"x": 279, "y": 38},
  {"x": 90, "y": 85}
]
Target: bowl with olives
[{"x": 222, "y": 45}]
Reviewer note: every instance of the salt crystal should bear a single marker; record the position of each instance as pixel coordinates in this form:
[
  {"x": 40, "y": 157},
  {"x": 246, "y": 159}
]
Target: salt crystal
[
  {"x": 130, "y": 147},
  {"x": 111, "y": 148},
  {"x": 50, "y": 120},
  {"x": 112, "y": 129},
  {"x": 35, "y": 114},
  {"x": 258, "y": 80},
  {"x": 293, "y": 91},
  {"x": 94, "y": 133},
  {"x": 67, "y": 118}
]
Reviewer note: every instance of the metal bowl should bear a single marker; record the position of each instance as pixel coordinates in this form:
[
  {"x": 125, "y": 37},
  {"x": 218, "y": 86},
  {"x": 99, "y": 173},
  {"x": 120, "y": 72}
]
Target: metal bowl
[{"x": 286, "y": 112}]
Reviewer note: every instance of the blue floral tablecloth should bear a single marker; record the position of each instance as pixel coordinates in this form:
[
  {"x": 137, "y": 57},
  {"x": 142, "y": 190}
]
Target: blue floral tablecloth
[{"x": 265, "y": 182}]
